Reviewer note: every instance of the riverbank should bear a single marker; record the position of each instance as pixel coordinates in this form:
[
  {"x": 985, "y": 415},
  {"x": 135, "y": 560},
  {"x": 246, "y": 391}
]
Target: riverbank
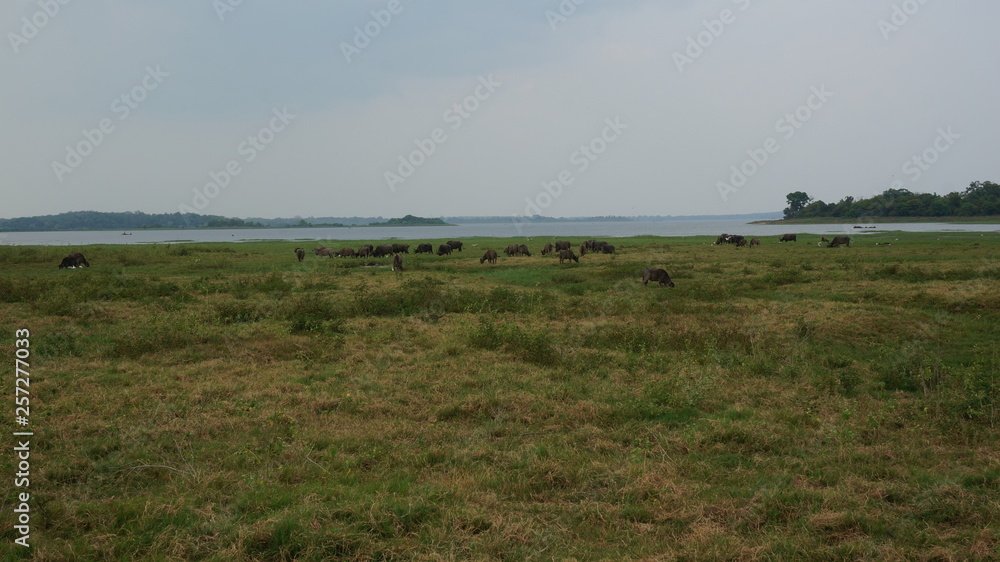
[{"x": 991, "y": 219}]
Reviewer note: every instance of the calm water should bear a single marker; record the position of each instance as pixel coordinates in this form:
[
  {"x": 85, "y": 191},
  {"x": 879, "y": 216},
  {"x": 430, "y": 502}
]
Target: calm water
[{"x": 711, "y": 227}]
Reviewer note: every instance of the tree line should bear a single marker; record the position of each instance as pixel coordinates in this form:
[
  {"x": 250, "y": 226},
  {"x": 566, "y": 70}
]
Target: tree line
[
  {"x": 981, "y": 198},
  {"x": 95, "y": 220}
]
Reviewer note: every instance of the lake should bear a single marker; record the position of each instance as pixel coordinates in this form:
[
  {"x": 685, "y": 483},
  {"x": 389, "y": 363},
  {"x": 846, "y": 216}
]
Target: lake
[{"x": 543, "y": 230}]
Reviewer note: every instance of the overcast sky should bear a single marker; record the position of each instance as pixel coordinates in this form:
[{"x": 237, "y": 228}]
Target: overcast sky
[{"x": 260, "y": 108}]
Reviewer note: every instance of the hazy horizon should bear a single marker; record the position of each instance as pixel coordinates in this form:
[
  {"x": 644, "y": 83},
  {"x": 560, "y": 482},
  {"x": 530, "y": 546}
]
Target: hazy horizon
[{"x": 564, "y": 108}]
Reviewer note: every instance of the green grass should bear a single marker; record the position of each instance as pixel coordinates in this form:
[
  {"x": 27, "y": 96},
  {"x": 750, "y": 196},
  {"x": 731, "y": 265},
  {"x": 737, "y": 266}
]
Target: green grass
[{"x": 226, "y": 402}]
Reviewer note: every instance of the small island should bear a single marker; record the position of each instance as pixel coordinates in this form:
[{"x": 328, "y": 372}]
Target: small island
[{"x": 410, "y": 220}]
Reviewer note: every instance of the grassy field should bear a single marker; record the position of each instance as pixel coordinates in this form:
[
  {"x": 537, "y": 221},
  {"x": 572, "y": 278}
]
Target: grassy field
[{"x": 225, "y": 402}]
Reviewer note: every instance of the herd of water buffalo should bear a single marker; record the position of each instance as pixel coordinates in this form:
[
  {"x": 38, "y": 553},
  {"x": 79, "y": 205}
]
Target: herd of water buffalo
[{"x": 562, "y": 248}]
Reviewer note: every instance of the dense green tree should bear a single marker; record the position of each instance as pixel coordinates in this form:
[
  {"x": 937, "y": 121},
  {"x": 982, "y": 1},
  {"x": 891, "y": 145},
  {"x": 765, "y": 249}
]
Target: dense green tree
[{"x": 797, "y": 200}]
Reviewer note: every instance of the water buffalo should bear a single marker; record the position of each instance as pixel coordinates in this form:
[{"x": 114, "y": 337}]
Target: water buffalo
[
  {"x": 562, "y": 245},
  {"x": 741, "y": 243},
  {"x": 346, "y": 253},
  {"x": 455, "y": 245},
  {"x": 74, "y": 260},
  {"x": 787, "y": 238},
  {"x": 523, "y": 250},
  {"x": 658, "y": 275},
  {"x": 512, "y": 250},
  {"x": 365, "y": 251},
  {"x": 607, "y": 249},
  {"x": 583, "y": 249},
  {"x": 401, "y": 248},
  {"x": 838, "y": 240},
  {"x": 300, "y": 253},
  {"x": 755, "y": 243},
  {"x": 590, "y": 244},
  {"x": 444, "y": 249},
  {"x": 323, "y": 251},
  {"x": 382, "y": 250},
  {"x": 547, "y": 249},
  {"x": 489, "y": 256},
  {"x": 424, "y": 249},
  {"x": 397, "y": 262},
  {"x": 722, "y": 239},
  {"x": 567, "y": 255},
  {"x": 599, "y": 247}
]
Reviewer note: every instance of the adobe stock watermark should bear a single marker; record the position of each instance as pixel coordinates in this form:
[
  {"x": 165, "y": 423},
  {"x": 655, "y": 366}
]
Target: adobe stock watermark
[
  {"x": 581, "y": 159},
  {"x": 122, "y": 106},
  {"x": 365, "y": 34},
  {"x": 918, "y": 164},
  {"x": 787, "y": 127},
  {"x": 32, "y": 25},
  {"x": 249, "y": 150},
  {"x": 899, "y": 16},
  {"x": 714, "y": 28},
  {"x": 456, "y": 115},
  {"x": 225, "y": 7},
  {"x": 563, "y": 12}
]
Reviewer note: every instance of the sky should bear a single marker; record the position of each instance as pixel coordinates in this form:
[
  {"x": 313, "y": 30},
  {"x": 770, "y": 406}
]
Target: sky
[{"x": 256, "y": 108}]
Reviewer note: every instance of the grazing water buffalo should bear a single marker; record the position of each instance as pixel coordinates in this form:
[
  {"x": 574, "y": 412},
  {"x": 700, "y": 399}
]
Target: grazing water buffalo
[
  {"x": 787, "y": 238},
  {"x": 523, "y": 250},
  {"x": 838, "y": 240},
  {"x": 742, "y": 242},
  {"x": 397, "y": 262},
  {"x": 346, "y": 253},
  {"x": 755, "y": 243},
  {"x": 722, "y": 239},
  {"x": 489, "y": 256},
  {"x": 73, "y": 261},
  {"x": 444, "y": 249},
  {"x": 514, "y": 250},
  {"x": 323, "y": 251},
  {"x": 455, "y": 245},
  {"x": 562, "y": 245},
  {"x": 424, "y": 249},
  {"x": 583, "y": 249},
  {"x": 547, "y": 249},
  {"x": 401, "y": 248},
  {"x": 300, "y": 253},
  {"x": 599, "y": 247},
  {"x": 567, "y": 255},
  {"x": 607, "y": 249},
  {"x": 658, "y": 275},
  {"x": 365, "y": 251},
  {"x": 382, "y": 250}
]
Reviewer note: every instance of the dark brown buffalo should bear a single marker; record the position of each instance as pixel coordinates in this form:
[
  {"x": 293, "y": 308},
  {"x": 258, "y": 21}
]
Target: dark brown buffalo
[
  {"x": 658, "y": 275},
  {"x": 755, "y": 243},
  {"x": 382, "y": 250},
  {"x": 323, "y": 251},
  {"x": 787, "y": 238},
  {"x": 562, "y": 245},
  {"x": 567, "y": 255},
  {"x": 401, "y": 248},
  {"x": 424, "y": 249},
  {"x": 444, "y": 249},
  {"x": 300, "y": 253},
  {"x": 455, "y": 245},
  {"x": 742, "y": 242},
  {"x": 722, "y": 239},
  {"x": 397, "y": 262},
  {"x": 73, "y": 261},
  {"x": 838, "y": 240},
  {"x": 512, "y": 250},
  {"x": 590, "y": 244},
  {"x": 547, "y": 249},
  {"x": 365, "y": 251},
  {"x": 489, "y": 256},
  {"x": 607, "y": 249},
  {"x": 346, "y": 253},
  {"x": 599, "y": 247},
  {"x": 583, "y": 249},
  {"x": 523, "y": 250}
]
